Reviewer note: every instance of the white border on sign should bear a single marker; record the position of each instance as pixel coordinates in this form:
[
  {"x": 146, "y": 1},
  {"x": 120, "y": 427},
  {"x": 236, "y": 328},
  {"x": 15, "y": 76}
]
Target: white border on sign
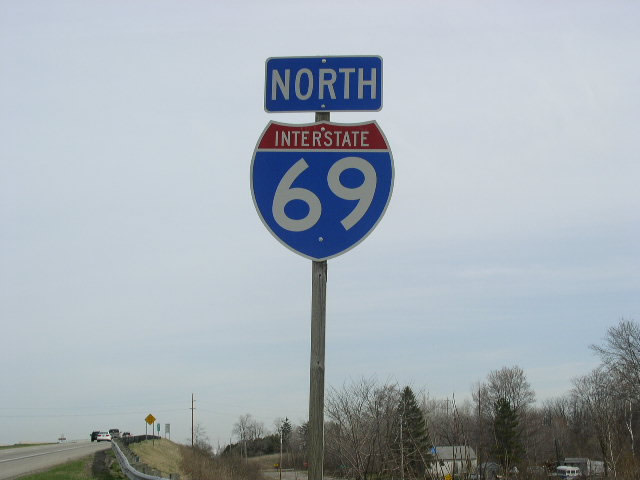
[
  {"x": 266, "y": 80},
  {"x": 384, "y": 210}
]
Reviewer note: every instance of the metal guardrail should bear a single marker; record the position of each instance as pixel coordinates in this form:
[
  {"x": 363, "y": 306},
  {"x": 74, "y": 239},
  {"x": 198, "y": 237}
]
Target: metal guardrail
[{"x": 130, "y": 472}]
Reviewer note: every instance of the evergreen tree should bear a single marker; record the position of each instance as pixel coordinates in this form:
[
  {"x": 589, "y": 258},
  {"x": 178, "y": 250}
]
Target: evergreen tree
[
  {"x": 413, "y": 444},
  {"x": 508, "y": 448},
  {"x": 286, "y": 432}
]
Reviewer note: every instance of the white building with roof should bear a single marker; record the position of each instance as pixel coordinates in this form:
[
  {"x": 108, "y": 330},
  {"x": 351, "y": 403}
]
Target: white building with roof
[{"x": 451, "y": 460}]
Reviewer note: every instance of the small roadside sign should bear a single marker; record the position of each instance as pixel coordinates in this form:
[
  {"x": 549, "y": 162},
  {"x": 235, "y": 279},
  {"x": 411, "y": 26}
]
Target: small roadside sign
[
  {"x": 323, "y": 84},
  {"x": 150, "y": 419}
]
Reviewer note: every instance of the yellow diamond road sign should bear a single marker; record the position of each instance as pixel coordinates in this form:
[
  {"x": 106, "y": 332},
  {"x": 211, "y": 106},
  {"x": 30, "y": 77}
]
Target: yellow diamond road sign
[{"x": 150, "y": 419}]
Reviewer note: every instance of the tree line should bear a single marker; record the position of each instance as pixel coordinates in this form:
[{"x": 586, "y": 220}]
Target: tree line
[{"x": 384, "y": 430}]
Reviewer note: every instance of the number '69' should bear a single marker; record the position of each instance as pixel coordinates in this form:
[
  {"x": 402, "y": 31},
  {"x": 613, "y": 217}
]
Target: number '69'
[{"x": 285, "y": 194}]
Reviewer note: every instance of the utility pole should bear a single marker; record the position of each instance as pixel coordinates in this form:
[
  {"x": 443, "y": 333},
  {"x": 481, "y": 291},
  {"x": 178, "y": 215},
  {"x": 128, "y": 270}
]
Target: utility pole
[
  {"x": 478, "y": 459},
  {"x": 316, "y": 394},
  {"x": 280, "y": 464},
  {"x": 192, "y": 409},
  {"x": 402, "y": 442}
]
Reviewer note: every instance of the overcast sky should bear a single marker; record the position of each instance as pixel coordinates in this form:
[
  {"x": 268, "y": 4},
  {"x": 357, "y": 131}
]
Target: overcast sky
[{"x": 135, "y": 270}]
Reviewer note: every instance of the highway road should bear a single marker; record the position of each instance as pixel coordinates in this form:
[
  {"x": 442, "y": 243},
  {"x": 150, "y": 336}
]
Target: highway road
[{"x": 15, "y": 462}]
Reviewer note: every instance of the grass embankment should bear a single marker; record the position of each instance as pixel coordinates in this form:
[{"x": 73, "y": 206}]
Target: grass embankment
[
  {"x": 267, "y": 462},
  {"x": 200, "y": 463},
  {"x": 100, "y": 466},
  {"x": 162, "y": 455}
]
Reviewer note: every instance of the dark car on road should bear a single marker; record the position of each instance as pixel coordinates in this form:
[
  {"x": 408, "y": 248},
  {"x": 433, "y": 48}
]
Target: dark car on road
[{"x": 94, "y": 436}]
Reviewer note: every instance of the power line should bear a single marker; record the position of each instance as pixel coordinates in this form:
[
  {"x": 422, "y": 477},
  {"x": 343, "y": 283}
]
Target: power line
[{"x": 192, "y": 409}]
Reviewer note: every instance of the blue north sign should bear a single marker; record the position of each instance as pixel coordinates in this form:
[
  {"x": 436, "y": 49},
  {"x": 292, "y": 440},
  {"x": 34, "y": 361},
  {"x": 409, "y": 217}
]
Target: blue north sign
[{"x": 323, "y": 84}]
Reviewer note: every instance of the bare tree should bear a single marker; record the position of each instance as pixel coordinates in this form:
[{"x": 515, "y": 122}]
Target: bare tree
[
  {"x": 621, "y": 354},
  {"x": 510, "y": 383},
  {"x": 201, "y": 440},
  {"x": 361, "y": 430},
  {"x": 556, "y": 423},
  {"x": 593, "y": 391},
  {"x": 242, "y": 429},
  {"x": 449, "y": 423},
  {"x": 256, "y": 429}
]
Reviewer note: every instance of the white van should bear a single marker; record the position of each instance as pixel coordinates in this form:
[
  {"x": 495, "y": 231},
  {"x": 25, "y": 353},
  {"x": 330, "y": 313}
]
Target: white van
[{"x": 568, "y": 472}]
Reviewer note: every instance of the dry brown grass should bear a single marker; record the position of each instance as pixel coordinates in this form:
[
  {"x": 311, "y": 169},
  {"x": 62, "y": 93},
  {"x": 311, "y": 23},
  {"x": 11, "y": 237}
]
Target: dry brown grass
[
  {"x": 199, "y": 463},
  {"x": 163, "y": 455},
  {"x": 266, "y": 462},
  {"x": 202, "y": 465}
]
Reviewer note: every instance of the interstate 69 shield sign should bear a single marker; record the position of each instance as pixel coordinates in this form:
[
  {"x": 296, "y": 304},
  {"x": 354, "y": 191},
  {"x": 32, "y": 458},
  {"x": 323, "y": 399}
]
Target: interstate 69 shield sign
[{"x": 321, "y": 188}]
